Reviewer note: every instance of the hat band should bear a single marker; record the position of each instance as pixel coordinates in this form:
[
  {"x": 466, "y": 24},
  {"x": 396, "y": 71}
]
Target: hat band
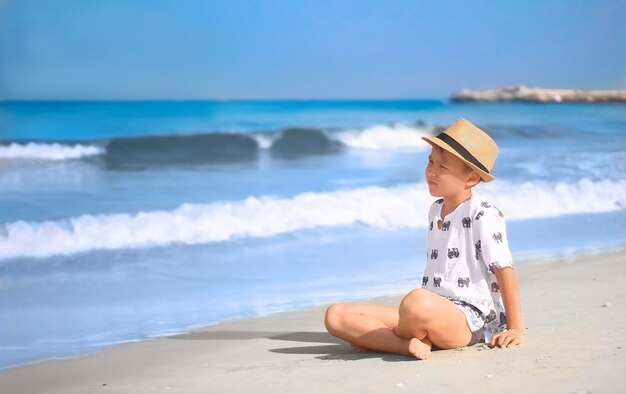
[{"x": 462, "y": 151}]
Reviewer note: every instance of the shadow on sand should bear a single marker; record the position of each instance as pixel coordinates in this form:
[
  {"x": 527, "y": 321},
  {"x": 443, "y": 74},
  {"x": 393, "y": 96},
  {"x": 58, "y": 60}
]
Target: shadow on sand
[{"x": 334, "y": 348}]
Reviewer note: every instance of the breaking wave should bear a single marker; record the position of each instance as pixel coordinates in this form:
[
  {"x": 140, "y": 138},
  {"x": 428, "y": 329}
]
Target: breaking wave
[
  {"x": 385, "y": 208},
  {"x": 219, "y": 147},
  {"x": 385, "y": 137}
]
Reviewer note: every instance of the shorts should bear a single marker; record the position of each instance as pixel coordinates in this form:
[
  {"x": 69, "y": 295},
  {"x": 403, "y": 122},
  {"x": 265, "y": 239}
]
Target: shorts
[{"x": 475, "y": 320}]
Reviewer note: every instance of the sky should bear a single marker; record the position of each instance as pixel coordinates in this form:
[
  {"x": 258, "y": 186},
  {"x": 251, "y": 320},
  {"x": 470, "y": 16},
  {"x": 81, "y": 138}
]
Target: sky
[{"x": 301, "y": 49}]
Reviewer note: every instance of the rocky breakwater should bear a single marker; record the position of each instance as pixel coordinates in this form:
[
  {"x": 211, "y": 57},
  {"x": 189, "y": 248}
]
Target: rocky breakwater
[{"x": 540, "y": 95}]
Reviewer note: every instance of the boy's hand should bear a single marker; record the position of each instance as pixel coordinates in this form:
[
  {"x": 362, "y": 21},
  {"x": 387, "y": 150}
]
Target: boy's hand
[{"x": 508, "y": 338}]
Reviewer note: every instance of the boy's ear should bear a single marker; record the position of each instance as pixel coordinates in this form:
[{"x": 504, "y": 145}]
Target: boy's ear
[{"x": 473, "y": 178}]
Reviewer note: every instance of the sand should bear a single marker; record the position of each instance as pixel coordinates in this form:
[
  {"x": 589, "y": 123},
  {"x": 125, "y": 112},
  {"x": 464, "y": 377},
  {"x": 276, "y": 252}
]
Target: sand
[{"x": 576, "y": 332}]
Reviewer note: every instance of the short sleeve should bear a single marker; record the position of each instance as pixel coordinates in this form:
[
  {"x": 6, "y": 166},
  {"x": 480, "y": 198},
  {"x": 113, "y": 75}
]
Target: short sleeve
[{"x": 492, "y": 246}]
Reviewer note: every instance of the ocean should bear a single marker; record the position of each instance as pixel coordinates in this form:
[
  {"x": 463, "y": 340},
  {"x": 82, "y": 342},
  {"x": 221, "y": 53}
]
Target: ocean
[{"x": 123, "y": 221}]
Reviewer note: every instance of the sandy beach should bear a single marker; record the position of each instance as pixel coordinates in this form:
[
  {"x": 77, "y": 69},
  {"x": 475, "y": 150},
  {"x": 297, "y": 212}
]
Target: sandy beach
[{"x": 574, "y": 313}]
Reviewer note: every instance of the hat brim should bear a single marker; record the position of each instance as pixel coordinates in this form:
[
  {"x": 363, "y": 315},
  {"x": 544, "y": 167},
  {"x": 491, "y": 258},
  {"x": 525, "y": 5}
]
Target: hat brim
[{"x": 485, "y": 176}]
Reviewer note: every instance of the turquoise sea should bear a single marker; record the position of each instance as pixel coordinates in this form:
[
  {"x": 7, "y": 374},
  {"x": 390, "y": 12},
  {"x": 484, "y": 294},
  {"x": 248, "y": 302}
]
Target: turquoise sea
[{"x": 121, "y": 221}]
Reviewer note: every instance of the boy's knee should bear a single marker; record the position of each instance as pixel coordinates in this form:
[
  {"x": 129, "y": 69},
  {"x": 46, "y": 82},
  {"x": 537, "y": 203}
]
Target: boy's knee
[
  {"x": 332, "y": 319},
  {"x": 416, "y": 305}
]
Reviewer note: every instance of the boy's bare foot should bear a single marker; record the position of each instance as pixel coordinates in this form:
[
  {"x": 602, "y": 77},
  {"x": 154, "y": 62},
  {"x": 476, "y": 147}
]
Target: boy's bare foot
[{"x": 419, "y": 349}]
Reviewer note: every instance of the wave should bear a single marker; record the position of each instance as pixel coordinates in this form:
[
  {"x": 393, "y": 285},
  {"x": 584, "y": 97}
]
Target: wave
[
  {"x": 394, "y": 136},
  {"x": 179, "y": 149},
  {"x": 385, "y": 208},
  {"x": 218, "y": 147},
  {"x": 48, "y": 151}
]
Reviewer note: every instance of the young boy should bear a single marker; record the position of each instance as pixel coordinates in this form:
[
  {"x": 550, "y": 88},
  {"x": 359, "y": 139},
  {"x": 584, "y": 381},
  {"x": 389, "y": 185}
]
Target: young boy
[{"x": 469, "y": 289}]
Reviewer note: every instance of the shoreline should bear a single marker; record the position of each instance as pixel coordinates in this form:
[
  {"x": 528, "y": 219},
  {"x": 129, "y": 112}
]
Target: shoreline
[
  {"x": 520, "y": 259},
  {"x": 573, "y": 308}
]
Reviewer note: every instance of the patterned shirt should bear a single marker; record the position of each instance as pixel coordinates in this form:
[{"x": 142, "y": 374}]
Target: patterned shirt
[{"x": 463, "y": 255}]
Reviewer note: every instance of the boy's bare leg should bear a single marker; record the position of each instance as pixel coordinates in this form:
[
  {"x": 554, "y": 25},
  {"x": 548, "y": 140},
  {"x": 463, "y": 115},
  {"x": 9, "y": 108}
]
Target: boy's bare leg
[
  {"x": 431, "y": 320},
  {"x": 367, "y": 327},
  {"x": 423, "y": 319}
]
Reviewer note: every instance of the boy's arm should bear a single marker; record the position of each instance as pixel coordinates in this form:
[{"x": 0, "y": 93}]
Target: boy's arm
[{"x": 509, "y": 289}]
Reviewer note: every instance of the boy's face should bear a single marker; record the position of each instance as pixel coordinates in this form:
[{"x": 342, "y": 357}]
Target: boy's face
[{"x": 448, "y": 176}]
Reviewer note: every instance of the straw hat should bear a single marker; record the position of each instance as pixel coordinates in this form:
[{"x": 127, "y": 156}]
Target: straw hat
[{"x": 470, "y": 144}]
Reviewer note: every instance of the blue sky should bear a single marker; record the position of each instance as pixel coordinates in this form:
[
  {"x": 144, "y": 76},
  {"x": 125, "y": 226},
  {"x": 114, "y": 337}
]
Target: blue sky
[{"x": 252, "y": 49}]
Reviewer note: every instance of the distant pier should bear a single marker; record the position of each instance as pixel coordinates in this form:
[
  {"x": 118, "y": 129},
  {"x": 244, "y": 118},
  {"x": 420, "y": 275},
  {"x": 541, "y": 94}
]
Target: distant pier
[{"x": 540, "y": 95}]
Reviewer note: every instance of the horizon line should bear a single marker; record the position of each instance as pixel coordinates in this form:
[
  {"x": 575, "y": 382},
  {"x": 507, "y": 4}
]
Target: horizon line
[{"x": 422, "y": 98}]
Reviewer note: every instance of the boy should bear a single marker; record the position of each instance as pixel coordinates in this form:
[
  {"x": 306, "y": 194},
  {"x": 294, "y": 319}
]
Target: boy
[{"x": 468, "y": 283}]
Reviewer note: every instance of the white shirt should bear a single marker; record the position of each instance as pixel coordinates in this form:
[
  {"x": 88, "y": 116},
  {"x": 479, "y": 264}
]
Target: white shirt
[{"x": 463, "y": 256}]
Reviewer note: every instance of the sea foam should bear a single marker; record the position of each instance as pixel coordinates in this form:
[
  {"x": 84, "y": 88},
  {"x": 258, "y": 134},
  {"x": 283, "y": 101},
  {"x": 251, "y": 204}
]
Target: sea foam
[
  {"x": 48, "y": 151},
  {"x": 385, "y": 208},
  {"x": 393, "y": 136}
]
